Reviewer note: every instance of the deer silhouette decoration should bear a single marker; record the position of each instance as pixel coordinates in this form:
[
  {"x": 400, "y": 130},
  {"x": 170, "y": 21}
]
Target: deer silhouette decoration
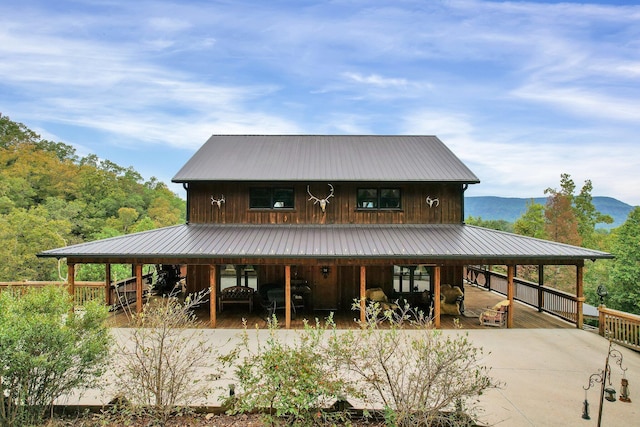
[
  {"x": 218, "y": 202},
  {"x": 323, "y": 202}
]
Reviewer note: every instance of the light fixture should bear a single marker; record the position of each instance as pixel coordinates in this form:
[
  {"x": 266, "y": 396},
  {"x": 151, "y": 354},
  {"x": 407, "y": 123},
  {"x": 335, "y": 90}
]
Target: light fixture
[
  {"x": 325, "y": 270},
  {"x": 610, "y": 394},
  {"x": 624, "y": 390}
]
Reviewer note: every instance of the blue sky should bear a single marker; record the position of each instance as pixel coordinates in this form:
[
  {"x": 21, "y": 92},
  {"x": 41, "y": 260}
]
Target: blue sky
[{"x": 520, "y": 91}]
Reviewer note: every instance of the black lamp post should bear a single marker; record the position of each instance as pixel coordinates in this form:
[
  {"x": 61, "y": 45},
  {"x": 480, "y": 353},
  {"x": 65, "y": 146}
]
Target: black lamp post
[
  {"x": 604, "y": 378},
  {"x": 602, "y": 293}
]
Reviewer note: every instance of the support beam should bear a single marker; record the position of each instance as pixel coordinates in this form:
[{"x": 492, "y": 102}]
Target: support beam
[
  {"x": 436, "y": 296},
  {"x": 580, "y": 296},
  {"x": 107, "y": 285},
  {"x": 540, "y": 286},
  {"x": 363, "y": 294},
  {"x": 287, "y": 296},
  {"x": 138, "y": 270},
  {"x": 71, "y": 281},
  {"x": 511, "y": 269},
  {"x": 213, "y": 281}
]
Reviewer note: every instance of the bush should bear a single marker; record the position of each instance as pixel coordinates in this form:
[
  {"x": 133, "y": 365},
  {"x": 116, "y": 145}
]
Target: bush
[
  {"x": 46, "y": 351},
  {"x": 419, "y": 376},
  {"x": 291, "y": 383},
  {"x": 161, "y": 359}
]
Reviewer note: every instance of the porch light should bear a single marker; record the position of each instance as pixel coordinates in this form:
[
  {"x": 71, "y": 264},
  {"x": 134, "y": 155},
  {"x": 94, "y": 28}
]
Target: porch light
[{"x": 325, "y": 270}]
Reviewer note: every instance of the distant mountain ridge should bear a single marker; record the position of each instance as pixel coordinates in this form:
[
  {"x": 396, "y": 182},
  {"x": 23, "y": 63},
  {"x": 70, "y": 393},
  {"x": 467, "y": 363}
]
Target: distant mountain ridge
[{"x": 512, "y": 208}]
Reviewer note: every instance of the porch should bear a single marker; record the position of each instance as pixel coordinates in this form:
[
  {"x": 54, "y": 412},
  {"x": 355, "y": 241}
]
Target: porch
[{"x": 477, "y": 299}]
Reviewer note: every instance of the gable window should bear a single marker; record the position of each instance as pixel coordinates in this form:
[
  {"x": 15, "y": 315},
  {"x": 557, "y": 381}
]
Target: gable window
[
  {"x": 378, "y": 198},
  {"x": 271, "y": 198}
]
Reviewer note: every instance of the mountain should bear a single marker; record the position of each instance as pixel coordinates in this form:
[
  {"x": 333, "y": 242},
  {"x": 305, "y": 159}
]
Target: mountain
[{"x": 510, "y": 208}]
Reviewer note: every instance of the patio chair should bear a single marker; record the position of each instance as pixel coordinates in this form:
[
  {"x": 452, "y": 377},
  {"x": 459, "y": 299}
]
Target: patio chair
[{"x": 495, "y": 316}]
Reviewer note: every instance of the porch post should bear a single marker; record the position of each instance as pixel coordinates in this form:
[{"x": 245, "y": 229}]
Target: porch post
[
  {"x": 213, "y": 280},
  {"x": 287, "y": 296},
  {"x": 107, "y": 284},
  {"x": 363, "y": 293},
  {"x": 436, "y": 296},
  {"x": 580, "y": 296},
  {"x": 540, "y": 285},
  {"x": 510, "y": 292},
  {"x": 71, "y": 281},
  {"x": 138, "y": 269}
]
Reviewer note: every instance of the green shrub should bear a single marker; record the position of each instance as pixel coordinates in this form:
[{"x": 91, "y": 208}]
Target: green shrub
[
  {"x": 291, "y": 379},
  {"x": 46, "y": 351}
]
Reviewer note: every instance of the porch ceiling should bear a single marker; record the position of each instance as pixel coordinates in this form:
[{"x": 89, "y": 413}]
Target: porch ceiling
[{"x": 343, "y": 243}]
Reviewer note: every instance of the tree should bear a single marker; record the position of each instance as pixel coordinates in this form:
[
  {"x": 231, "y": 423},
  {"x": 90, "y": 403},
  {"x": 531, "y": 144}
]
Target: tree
[
  {"x": 588, "y": 216},
  {"x": 624, "y": 292},
  {"x": 532, "y": 222},
  {"x": 561, "y": 224},
  {"x": 494, "y": 224}
]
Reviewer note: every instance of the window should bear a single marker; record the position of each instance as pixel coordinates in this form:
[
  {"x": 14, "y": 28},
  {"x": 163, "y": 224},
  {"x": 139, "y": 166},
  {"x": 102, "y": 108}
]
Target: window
[
  {"x": 271, "y": 198},
  {"x": 378, "y": 198}
]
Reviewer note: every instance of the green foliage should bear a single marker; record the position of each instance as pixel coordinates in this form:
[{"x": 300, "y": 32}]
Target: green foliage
[
  {"x": 494, "y": 224},
  {"x": 49, "y": 198},
  {"x": 531, "y": 223},
  {"x": 293, "y": 383},
  {"x": 46, "y": 351},
  {"x": 624, "y": 292}
]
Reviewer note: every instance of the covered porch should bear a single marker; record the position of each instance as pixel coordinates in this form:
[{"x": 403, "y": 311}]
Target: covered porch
[{"x": 342, "y": 261}]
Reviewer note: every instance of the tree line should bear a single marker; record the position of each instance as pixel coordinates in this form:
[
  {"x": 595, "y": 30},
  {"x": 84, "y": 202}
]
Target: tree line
[
  {"x": 50, "y": 197},
  {"x": 571, "y": 218}
]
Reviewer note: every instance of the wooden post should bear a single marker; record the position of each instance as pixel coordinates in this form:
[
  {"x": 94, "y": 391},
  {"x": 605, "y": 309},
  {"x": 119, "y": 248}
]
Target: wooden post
[
  {"x": 138, "y": 269},
  {"x": 107, "y": 285},
  {"x": 287, "y": 296},
  {"x": 510, "y": 293},
  {"x": 363, "y": 293},
  {"x": 71, "y": 281},
  {"x": 436, "y": 296},
  {"x": 540, "y": 286},
  {"x": 213, "y": 281},
  {"x": 579, "y": 296}
]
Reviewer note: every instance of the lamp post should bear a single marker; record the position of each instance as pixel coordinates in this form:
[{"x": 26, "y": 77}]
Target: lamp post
[{"x": 604, "y": 378}]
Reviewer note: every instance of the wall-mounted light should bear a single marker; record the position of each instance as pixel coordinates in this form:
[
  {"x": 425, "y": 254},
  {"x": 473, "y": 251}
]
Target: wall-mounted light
[{"x": 325, "y": 270}]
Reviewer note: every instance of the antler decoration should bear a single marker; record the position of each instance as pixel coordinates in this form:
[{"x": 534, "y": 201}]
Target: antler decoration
[
  {"x": 433, "y": 202},
  {"x": 218, "y": 202},
  {"x": 323, "y": 202}
]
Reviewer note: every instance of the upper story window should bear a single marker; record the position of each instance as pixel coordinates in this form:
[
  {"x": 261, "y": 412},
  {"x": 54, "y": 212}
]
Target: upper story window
[
  {"x": 271, "y": 198},
  {"x": 378, "y": 198}
]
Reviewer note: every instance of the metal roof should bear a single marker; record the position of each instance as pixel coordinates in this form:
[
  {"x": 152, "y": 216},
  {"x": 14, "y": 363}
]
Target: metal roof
[
  {"x": 324, "y": 157},
  {"x": 401, "y": 241}
]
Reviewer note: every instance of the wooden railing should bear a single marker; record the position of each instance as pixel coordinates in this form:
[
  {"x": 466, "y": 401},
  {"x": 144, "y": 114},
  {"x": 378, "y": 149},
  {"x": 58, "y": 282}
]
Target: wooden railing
[
  {"x": 84, "y": 291},
  {"x": 545, "y": 299},
  {"x": 623, "y": 328}
]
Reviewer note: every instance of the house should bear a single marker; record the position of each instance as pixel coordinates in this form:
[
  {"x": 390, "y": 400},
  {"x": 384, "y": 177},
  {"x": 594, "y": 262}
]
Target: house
[{"x": 341, "y": 213}]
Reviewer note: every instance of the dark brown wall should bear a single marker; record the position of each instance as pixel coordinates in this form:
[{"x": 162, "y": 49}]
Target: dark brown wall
[{"x": 340, "y": 210}]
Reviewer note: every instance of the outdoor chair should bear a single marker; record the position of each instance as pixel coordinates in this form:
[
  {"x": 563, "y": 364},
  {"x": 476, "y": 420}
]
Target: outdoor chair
[{"x": 495, "y": 316}]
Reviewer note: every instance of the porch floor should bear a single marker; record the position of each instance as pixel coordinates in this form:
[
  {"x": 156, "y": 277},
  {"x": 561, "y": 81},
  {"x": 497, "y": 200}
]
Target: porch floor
[{"x": 476, "y": 300}]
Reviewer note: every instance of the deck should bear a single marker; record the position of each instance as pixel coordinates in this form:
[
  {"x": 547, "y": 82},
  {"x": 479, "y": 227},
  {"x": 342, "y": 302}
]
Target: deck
[{"x": 476, "y": 300}]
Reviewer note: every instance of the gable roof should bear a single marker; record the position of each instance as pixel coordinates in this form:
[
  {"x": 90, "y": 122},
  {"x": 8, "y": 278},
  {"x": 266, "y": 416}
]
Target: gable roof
[
  {"x": 424, "y": 242},
  {"x": 325, "y": 157}
]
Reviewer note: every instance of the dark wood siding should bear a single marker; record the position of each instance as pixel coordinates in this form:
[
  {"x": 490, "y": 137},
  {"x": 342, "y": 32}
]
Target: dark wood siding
[{"x": 341, "y": 208}]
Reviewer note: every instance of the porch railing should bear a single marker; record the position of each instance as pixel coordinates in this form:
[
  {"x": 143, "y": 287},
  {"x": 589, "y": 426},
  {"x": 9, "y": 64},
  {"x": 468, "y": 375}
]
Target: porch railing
[
  {"x": 84, "y": 291},
  {"x": 545, "y": 299},
  {"x": 621, "y": 327}
]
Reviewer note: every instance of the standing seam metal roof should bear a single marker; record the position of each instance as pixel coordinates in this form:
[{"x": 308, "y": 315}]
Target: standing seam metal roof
[
  {"x": 325, "y": 157},
  {"x": 434, "y": 241}
]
